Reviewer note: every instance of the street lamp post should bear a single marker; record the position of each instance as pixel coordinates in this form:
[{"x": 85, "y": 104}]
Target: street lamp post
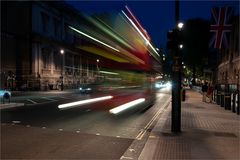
[
  {"x": 176, "y": 74},
  {"x": 98, "y": 70},
  {"x": 97, "y": 65},
  {"x": 61, "y": 77}
]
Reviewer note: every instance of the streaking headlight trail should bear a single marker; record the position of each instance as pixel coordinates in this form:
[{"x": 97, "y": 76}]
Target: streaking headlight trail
[
  {"x": 78, "y": 103},
  {"x": 126, "y": 106}
]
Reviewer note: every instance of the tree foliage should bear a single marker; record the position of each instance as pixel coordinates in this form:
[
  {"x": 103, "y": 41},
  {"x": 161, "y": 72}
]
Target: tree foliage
[{"x": 196, "y": 37}]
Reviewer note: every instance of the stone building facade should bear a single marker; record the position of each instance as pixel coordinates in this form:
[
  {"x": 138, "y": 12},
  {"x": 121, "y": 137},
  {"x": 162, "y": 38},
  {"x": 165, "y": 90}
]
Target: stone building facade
[
  {"x": 228, "y": 69},
  {"x": 38, "y": 47}
]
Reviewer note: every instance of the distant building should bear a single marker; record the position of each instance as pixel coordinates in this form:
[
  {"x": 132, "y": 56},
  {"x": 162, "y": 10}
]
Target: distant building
[{"x": 228, "y": 69}]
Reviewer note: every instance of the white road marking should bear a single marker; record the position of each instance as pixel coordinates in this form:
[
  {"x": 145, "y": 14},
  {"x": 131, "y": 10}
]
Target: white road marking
[
  {"x": 118, "y": 136},
  {"x": 60, "y": 129},
  {"x": 123, "y": 157},
  {"x": 98, "y": 134},
  {"x": 78, "y": 131},
  {"x": 31, "y": 101}
]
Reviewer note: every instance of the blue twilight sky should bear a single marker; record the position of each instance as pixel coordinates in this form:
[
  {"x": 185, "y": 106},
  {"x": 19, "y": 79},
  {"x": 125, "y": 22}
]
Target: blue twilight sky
[{"x": 158, "y": 16}]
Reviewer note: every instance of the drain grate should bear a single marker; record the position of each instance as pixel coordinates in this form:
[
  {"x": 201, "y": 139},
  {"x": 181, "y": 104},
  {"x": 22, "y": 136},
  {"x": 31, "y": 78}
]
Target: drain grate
[{"x": 224, "y": 134}]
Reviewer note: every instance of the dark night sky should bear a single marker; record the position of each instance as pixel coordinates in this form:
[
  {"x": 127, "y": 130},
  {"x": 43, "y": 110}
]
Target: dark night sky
[{"x": 157, "y": 17}]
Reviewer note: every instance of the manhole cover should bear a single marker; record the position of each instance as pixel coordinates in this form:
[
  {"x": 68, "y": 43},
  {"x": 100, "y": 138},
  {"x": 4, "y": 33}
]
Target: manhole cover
[{"x": 223, "y": 134}]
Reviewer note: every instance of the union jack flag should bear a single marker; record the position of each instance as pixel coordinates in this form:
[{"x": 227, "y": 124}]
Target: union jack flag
[{"x": 221, "y": 27}]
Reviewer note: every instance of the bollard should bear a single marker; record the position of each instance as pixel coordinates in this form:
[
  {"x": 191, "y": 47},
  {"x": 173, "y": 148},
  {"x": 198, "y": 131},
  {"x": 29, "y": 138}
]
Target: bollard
[
  {"x": 237, "y": 104},
  {"x": 227, "y": 97},
  {"x": 218, "y": 97},
  {"x": 214, "y": 93},
  {"x": 222, "y": 89},
  {"x": 183, "y": 94},
  {"x": 222, "y": 99},
  {"x": 233, "y": 102},
  {"x": 227, "y": 101}
]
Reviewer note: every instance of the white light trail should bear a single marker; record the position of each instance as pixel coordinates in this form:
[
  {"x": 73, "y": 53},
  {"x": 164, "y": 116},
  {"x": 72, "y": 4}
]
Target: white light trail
[
  {"x": 135, "y": 27},
  {"x": 126, "y": 106},
  {"x": 109, "y": 72},
  {"x": 78, "y": 103},
  {"x": 146, "y": 40},
  {"x": 76, "y": 30}
]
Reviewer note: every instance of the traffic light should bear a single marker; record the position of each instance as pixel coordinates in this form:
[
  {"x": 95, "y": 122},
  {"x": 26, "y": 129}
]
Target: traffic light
[{"x": 175, "y": 39}]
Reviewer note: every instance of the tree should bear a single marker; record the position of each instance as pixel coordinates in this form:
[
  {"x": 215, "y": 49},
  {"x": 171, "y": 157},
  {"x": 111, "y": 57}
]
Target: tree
[{"x": 196, "y": 37}]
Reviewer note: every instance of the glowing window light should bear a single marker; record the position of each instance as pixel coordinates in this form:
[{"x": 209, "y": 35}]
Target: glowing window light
[
  {"x": 126, "y": 106},
  {"x": 109, "y": 72},
  {"x": 94, "y": 39},
  {"x": 146, "y": 40},
  {"x": 78, "y": 103}
]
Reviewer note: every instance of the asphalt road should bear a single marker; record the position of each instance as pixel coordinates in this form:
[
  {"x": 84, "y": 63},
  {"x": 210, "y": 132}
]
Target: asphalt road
[{"x": 42, "y": 130}]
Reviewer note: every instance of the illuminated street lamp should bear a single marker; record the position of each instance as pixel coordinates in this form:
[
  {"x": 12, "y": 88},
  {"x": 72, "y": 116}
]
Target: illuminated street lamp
[
  {"x": 97, "y": 64},
  {"x": 61, "y": 77},
  {"x": 62, "y": 51},
  {"x": 180, "y": 25},
  {"x": 180, "y": 46}
]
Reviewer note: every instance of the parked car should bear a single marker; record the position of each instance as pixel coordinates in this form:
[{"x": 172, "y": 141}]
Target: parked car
[
  {"x": 4, "y": 94},
  {"x": 85, "y": 89}
]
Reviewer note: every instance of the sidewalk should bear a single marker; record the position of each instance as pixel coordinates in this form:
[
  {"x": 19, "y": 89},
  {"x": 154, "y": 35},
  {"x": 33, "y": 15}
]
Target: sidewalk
[
  {"x": 208, "y": 132},
  {"x": 24, "y": 93},
  {"x": 10, "y": 105}
]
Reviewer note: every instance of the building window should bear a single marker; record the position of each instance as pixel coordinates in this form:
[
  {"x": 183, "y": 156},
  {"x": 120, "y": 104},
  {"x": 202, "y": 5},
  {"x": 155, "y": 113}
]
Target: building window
[
  {"x": 57, "y": 27},
  {"x": 45, "y": 22},
  {"x": 46, "y": 58},
  {"x": 69, "y": 60},
  {"x": 57, "y": 60}
]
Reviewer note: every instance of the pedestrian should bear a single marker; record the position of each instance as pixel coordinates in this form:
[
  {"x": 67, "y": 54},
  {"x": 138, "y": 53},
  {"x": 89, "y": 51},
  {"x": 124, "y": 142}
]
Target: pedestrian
[
  {"x": 9, "y": 84},
  {"x": 204, "y": 91},
  {"x": 210, "y": 92},
  {"x": 61, "y": 81}
]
